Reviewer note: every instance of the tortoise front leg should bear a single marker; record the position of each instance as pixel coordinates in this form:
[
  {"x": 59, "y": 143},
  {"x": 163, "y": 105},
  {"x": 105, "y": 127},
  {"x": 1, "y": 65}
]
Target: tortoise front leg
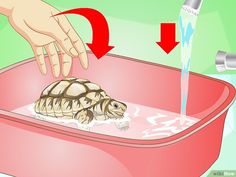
[
  {"x": 100, "y": 117},
  {"x": 84, "y": 116}
]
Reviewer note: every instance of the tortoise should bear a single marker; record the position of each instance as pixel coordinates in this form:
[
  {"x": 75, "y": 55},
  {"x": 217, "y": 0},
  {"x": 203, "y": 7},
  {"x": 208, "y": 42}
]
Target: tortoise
[{"x": 78, "y": 99}]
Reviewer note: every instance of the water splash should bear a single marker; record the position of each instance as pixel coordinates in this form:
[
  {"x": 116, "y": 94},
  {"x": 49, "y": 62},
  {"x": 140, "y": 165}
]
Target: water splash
[{"x": 137, "y": 112}]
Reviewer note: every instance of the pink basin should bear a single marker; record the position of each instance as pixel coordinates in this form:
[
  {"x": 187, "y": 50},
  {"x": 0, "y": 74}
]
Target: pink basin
[{"x": 35, "y": 148}]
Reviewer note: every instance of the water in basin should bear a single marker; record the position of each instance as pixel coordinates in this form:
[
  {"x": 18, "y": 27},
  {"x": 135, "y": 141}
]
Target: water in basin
[{"x": 139, "y": 122}]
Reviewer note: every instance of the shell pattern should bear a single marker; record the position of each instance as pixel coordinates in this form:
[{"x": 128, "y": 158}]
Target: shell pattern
[{"x": 68, "y": 96}]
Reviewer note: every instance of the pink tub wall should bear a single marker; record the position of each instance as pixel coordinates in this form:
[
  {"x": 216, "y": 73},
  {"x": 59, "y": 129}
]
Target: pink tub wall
[{"x": 30, "y": 144}]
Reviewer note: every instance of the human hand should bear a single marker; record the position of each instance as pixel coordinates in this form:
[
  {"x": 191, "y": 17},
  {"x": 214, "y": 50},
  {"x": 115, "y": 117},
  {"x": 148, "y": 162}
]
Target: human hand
[{"x": 35, "y": 21}]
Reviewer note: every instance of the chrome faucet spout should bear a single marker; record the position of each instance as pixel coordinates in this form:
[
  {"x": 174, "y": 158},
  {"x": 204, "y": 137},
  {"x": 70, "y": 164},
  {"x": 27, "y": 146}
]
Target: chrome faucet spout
[
  {"x": 195, "y": 4},
  {"x": 225, "y": 61}
]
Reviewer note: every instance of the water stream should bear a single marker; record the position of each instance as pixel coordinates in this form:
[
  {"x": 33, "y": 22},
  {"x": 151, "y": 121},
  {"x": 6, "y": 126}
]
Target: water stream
[{"x": 187, "y": 22}]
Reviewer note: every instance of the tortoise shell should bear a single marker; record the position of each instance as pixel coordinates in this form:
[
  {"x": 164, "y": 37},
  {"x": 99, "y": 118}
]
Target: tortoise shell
[{"x": 68, "y": 96}]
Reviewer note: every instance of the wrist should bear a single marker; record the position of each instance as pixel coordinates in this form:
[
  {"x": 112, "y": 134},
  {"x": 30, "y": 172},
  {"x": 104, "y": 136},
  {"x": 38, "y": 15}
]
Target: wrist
[{"x": 6, "y": 7}]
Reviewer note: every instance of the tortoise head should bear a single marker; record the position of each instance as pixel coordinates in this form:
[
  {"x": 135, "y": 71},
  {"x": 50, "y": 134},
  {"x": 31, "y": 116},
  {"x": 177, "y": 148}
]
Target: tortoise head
[{"x": 115, "y": 109}]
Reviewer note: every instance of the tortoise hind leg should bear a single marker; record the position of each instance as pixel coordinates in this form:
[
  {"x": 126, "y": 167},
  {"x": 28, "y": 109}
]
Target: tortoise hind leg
[
  {"x": 36, "y": 106},
  {"x": 84, "y": 116}
]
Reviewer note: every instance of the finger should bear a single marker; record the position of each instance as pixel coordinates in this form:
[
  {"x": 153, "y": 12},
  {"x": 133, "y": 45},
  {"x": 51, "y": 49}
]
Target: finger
[
  {"x": 66, "y": 62},
  {"x": 62, "y": 38},
  {"x": 38, "y": 51},
  {"x": 75, "y": 38},
  {"x": 54, "y": 59}
]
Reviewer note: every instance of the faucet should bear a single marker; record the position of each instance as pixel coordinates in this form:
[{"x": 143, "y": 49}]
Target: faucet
[
  {"x": 225, "y": 61},
  {"x": 193, "y": 5}
]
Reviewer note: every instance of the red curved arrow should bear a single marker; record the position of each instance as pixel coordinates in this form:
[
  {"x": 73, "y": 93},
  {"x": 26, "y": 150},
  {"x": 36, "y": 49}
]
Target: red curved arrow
[
  {"x": 100, "y": 45},
  {"x": 168, "y": 37}
]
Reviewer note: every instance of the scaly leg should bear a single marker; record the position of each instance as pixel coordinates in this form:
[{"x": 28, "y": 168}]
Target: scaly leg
[{"x": 84, "y": 116}]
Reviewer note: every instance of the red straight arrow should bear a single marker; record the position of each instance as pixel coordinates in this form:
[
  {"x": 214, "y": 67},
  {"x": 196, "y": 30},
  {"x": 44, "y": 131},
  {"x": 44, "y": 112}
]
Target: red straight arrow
[
  {"x": 100, "y": 44},
  {"x": 168, "y": 37}
]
